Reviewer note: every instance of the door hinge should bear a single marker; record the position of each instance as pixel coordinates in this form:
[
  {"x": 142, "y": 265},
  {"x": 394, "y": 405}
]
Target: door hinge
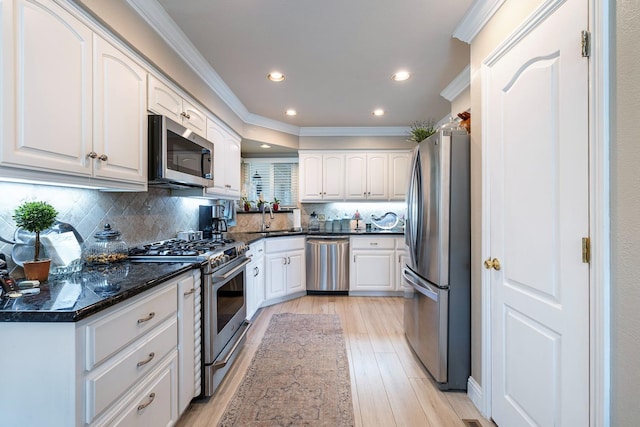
[
  {"x": 586, "y": 43},
  {"x": 586, "y": 250}
]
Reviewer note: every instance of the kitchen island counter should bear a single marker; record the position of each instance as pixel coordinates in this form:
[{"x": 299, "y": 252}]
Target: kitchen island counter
[{"x": 94, "y": 289}]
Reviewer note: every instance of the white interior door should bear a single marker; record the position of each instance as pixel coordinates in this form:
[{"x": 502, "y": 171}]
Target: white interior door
[{"x": 536, "y": 94}]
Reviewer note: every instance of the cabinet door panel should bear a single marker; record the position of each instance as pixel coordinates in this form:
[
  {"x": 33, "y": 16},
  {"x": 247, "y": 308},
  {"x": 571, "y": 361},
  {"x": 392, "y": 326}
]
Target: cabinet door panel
[
  {"x": 163, "y": 100},
  {"x": 399, "y": 175},
  {"x": 333, "y": 177},
  {"x": 120, "y": 115},
  {"x": 275, "y": 275},
  {"x": 233, "y": 166},
  {"x": 310, "y": 177},
  {"x": 53, "y": 89},
  {"x": 356, "y": 176},
  {"x": 377, "y": 176},
  {"x": 372, "y": 271},
  {"x": 295, "y": 272},
  {"x": 194, "y": 119}
]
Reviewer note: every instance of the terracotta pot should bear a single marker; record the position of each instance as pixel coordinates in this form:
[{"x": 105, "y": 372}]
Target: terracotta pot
[
  {"x": 276, "y": 207},
  {"x": 37, "y": 270}
]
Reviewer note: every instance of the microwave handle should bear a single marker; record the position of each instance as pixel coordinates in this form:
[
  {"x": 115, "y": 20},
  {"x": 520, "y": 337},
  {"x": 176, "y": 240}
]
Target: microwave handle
[{"x": 203, "y": 156}]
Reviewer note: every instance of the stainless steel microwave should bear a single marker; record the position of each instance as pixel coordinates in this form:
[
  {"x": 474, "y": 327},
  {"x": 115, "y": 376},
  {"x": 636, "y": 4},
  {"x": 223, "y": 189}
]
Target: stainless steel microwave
[{"x": 178, "y": 157}]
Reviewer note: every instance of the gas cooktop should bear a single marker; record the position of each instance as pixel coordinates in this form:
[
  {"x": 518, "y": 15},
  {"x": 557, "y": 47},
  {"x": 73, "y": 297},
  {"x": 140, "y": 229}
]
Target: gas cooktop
[{"x": 182, "y": 250}]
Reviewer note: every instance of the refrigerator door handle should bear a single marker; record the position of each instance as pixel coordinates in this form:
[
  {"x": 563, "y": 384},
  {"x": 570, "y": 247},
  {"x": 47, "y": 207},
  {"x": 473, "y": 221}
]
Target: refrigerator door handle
[{"x": 420, "y": 286}]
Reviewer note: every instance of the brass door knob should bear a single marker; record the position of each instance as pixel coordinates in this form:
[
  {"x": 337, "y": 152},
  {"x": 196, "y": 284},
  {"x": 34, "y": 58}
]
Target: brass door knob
[{"x": 492, "y": 263}]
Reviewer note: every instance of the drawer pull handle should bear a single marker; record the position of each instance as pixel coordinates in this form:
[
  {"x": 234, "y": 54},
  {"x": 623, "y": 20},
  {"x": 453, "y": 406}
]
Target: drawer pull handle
[
  {"x": 193, "y": 290},
  {"x": 146, "y": 319},
  {"x": 152, "y": 397},
  {"x": 374, "y": 243},
  {"x": 147, "y": 360}
]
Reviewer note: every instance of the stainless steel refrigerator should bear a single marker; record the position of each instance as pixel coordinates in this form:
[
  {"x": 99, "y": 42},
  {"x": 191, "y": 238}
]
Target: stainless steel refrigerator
[{"x": 437, "y": 310}]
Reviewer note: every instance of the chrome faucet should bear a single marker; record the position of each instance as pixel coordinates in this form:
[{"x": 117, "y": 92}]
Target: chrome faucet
[{"x": 264, "y": 226}]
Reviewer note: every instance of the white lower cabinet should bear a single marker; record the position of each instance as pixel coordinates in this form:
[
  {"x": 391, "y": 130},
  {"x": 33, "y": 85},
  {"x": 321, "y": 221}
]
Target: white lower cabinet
[
  {"x": 153, "y": 402},
  {"x": 133, "y": 364},
  {"x": 189, "y": 339},
  {"x": 255, "y": 278},
  {"x": 373, "y": 266},
  {"x": 402, "y": 257},
  {"x": 285, "y": 268}
]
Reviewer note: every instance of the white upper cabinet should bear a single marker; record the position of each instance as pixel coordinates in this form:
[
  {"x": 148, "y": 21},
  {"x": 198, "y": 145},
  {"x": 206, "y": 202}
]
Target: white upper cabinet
[
  {"x": 166, "y": 101},
  {"x": 353, "y": 175},
  {"x": 50, "y": 79},
  {"x": 321, "y": 176},
  {"x": 226, "y": 161},
  {"x": 77, "y": 103},
  {"x": 399, "y": 171},
  {"x": 120, "y": 115},
  {"x": 367, "y": 176}
]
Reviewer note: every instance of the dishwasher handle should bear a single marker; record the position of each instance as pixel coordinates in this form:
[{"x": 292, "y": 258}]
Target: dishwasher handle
[{"x": 328, "y": 241}]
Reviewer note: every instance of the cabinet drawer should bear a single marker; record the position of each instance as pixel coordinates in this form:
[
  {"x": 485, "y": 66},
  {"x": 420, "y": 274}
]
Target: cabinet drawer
[
  {"x": 256, "y": 249},
  {"x": 372, "y": 243},
  {"x": 277, "y": 244},
  {"x": 116, "y": 330},
  {"x": 116, "y": 378},
  {"x": 154, "y": 405}
]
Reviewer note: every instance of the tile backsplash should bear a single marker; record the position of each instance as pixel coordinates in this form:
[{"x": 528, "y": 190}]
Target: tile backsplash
[
  {"x": 150, "y": 216},
  {"x": 140, "y": 217}
]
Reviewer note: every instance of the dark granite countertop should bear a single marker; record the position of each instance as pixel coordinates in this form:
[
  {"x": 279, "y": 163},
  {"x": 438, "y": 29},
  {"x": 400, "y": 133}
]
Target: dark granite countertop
[
  {"x": 93, "y": 290},
  {"x": 254, "y": 236}
]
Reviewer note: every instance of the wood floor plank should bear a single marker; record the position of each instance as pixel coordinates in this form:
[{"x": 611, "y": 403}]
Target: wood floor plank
[
  {"x": 406, "y": 408},
  {"x": 375, "y": 408},
  {"x": 389, "y": 386},
  {"x": 465, "y": 409},
  {"x": 434, "y": 404}
]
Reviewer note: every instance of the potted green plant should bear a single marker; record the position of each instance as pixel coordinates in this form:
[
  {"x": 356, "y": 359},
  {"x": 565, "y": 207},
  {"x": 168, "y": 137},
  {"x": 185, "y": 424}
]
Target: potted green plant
[
  {"x": 276, "y": 204},
  {"x": 36, "y": 217},
  {"x": 421, "y": 130}
]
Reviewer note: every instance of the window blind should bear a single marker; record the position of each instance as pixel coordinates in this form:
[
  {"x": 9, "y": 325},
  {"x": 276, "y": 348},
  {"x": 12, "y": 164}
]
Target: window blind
[{"x": 277, "y": 179}]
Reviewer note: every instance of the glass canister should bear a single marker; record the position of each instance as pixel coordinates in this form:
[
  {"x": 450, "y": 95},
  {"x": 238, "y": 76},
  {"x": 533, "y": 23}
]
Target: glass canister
[
  {"x": 106, "y": 248},
  {"x": 314, "y": 223}
]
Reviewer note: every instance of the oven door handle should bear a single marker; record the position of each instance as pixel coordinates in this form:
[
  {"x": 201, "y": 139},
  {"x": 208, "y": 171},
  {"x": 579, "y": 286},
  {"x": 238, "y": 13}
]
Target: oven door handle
[
  {"x": 232, "y": 272},
  {"x": 222, "y": 363}
]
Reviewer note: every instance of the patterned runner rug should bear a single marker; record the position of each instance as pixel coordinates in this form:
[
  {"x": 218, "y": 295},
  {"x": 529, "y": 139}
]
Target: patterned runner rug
[{"x": 299, "y": 376}]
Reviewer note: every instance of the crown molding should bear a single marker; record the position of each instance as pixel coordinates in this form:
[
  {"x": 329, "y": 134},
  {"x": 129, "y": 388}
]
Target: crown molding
[
  {"x": 476, "y": 18},
  {"x": 356, "y": 131},
  {"x": 158, "y": 19},
  {"x": 457, "y": 85},
  {"x": 256, "y": 120}
]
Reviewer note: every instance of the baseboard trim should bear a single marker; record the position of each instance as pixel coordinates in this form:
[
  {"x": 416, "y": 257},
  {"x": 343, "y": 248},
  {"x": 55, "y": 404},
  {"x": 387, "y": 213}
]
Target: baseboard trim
[{"x": 474, "y": 392}]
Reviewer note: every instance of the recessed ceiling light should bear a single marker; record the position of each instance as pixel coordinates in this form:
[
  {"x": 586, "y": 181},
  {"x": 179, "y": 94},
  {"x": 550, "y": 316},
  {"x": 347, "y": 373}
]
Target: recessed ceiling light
[
  {"x": 265, "y": 146},
  {"x": 401, "y": 76},
  {"x": 291, "y": 112},
  {"x": 378, "y": 112},
  {"x": 275, "y": 76}
]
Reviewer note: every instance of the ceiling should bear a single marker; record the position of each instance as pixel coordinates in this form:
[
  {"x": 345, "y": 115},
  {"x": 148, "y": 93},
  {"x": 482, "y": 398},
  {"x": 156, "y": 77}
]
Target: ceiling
[{"x": 338, "y": 56}]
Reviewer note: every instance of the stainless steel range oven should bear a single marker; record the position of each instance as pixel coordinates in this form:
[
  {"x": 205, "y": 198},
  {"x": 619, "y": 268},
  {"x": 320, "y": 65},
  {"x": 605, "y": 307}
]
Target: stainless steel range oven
[{"x": 224, "y": 324}]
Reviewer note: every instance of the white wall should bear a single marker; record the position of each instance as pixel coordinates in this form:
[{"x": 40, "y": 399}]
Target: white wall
[
  {"x": 625, "y": 217},
  {"x": 503, "y": 23}
]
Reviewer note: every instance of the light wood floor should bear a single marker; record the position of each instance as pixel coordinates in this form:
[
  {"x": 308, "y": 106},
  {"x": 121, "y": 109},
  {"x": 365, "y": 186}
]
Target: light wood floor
[{"x": 389, "y": 385}]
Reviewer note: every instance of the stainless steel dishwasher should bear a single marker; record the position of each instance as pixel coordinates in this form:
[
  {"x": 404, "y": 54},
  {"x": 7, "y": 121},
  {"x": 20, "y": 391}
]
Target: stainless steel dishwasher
[{"x": 328, "y": 264}]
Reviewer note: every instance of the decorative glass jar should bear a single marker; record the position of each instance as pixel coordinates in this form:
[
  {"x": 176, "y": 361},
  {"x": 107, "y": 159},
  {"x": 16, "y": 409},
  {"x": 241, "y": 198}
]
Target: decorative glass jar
[{"x": 106, "y": 248}]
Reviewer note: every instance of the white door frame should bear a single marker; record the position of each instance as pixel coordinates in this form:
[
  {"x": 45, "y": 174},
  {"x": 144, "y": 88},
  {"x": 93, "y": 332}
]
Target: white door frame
[{"x": 599, "y": 215}]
